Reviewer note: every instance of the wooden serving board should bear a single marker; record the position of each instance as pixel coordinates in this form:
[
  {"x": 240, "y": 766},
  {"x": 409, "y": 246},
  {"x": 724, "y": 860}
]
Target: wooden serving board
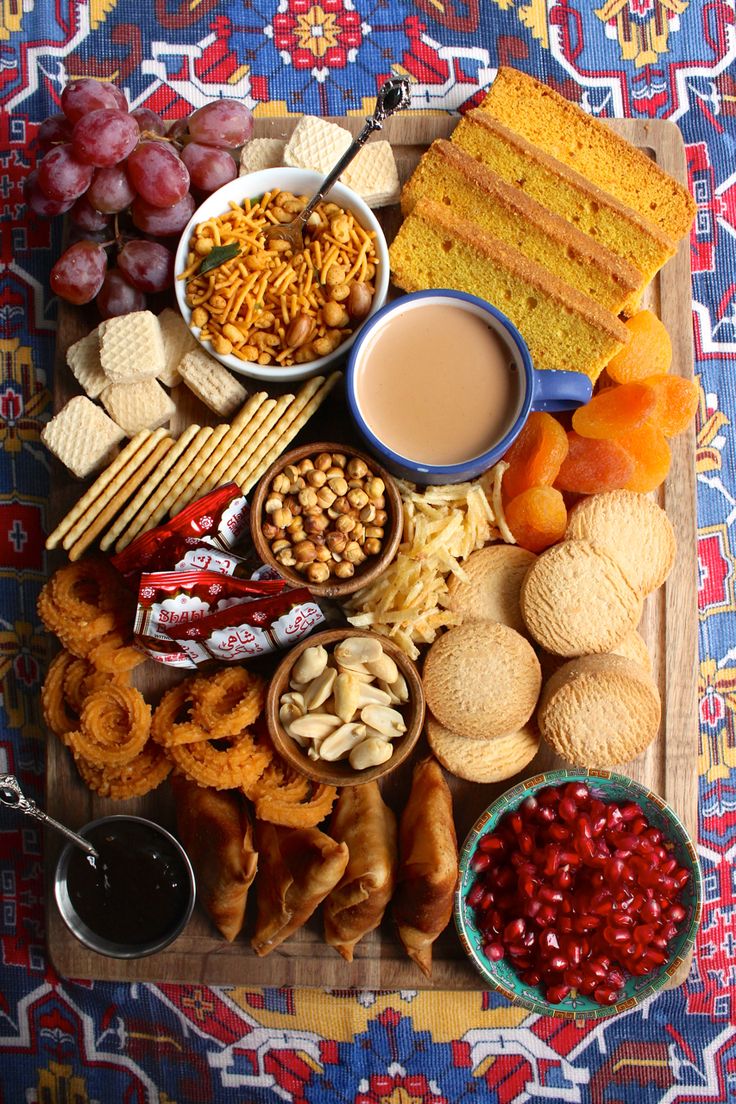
[{"x": 669, "y": 766}]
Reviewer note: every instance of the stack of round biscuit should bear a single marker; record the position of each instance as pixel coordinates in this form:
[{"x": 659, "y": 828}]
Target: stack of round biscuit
[{"x": 579, "y": 602}]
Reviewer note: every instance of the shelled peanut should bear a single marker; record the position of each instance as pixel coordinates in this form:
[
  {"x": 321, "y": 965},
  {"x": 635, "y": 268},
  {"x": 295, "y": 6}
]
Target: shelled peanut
[
  {"x": 346, "y": 703},
  {"x": 325, "y": 516}
]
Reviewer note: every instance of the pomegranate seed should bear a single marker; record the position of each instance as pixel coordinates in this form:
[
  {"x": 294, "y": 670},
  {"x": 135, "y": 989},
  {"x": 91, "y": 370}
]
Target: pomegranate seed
[
  {"x": 553, "y": 861},
  {"x": 549, "y": 941},
  {"x": 568, "y": 810},
  {"x": 476, "y": 894},
  {"x": 513, "y": 931},
  {"x": 546, "y": 916},
  {"x": 682, "y": 877},
  {"x": 583, "y": 827},
  {"x": 573, "y": 978},
  {"x": 558, "y": 963},
  {"x": 577, "y": 792},
  {"x": 588, "y": 923},
  {"x": 676, "y": 913},
  {"x": 565, "y": 924},
  {"x": 480, "y": 862},
  {"x": 669, "y": 866},
  {"x": 487, "y": 900},
  {"x": 515, "y": 823},
  {"x": 550, "y": 895},
  {"x": 628, "y": 812},
  {"x": 604, "y": 995},
  {"x": 531, "y": 977},
  {"x": 529, "y": 806},
  {"x": 615, "y": 979},
  {"x": 650, "y": 910},
  {"x": 563, "y": 879},
  {"x": 615, "y": 936},
  {"x": 526, "y": 843},
  {"x": 491, "y": 844},
  {"x": 558, "y": 832},
  {"x": 493, "y": 951},
  {"x": 545, "y": 814},
  {"x": 638, "y": 825},
  {"x": 557, "y": 993},
  {"x": 550, "y": 795}
]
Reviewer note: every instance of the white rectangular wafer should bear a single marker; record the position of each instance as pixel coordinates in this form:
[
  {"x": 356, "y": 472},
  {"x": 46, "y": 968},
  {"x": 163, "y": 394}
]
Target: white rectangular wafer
[
  {"x": 123, "y": 476},
  {"x": 83, "y": 358},
  {"x": 144, "y": 493},
  {"x": 374, "y": 175},
  {"x": 178, "y": 341},
  {"x": 316, "y": 144},
  {"x": 82, "y": 436},
  {"x": 261, "y": 153},
  {"x": 131, "y": 347},
  {"x": 137, "y": 406},
  {"x": 212, "y": 383}
]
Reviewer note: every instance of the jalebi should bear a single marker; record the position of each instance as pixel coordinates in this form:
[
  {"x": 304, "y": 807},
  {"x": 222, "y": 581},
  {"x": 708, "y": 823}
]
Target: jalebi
[
  {"x": 228, "y": 702},
  {"x": 114, "y": 726}
]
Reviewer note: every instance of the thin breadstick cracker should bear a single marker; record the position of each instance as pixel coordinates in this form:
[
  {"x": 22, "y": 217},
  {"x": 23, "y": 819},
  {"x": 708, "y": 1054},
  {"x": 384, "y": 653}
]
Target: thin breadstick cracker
[
  {"x": 177, "y": 472},
  {"x": 228, "y": 446},
  {"x": 303, "y": 396},
  {"x": 265, "y": 430},
  {"x": 209, "y": 446},
  {"x": 118, "y": 501},
  {"x": 100, "y": 484},
  {"x": 146, "y": 490},
  {"x": 235, "y": 453},
  {"x": 247, "y": 411},
  {"x": 288, "y": 436},
  {"x": 120, "y": 479}
]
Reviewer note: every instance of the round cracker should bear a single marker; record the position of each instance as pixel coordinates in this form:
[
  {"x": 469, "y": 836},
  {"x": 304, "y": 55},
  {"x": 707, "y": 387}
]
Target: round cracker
[
  {"x": 492, "y": 760},
  {"x": 576, "y": 600},
  {"x": 599, "y": 711},
  {"x": 491, "y": 592},
  {"x": 633, "y": 647},
  {"x": 482, "y": 680},
  {"x": 633, "y": 529}
]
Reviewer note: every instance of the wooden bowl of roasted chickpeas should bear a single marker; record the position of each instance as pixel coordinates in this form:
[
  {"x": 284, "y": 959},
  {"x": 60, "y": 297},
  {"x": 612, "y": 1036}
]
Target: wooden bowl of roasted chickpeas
[{"x": 327, "y": 517}]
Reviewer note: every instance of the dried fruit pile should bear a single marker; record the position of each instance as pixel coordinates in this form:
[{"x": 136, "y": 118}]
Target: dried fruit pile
[
  {"x": 576, "y": 893},
  {"x": 619, "y": 440},
  {"x": 102, "y": 162}
]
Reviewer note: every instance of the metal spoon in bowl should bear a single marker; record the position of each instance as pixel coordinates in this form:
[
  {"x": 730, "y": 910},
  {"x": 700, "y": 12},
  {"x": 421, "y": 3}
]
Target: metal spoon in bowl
[
  {"x": 393, "y": 96},
  {"x": 12, "y": 795}
]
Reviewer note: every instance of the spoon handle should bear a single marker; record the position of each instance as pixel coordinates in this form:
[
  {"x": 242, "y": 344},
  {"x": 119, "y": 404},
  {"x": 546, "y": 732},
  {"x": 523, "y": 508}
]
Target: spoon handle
[
  {"x": 394, "y": 95},
  {"x": 12, "y": 796}
]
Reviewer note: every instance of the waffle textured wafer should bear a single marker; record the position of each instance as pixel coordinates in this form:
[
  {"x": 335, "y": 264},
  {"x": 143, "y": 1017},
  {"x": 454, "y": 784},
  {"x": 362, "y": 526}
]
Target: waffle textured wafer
[
  {"x": 137, "y": 406},
  {"x": 178, "y": 341},
  {"x": 211, "y": 383},
  {"x": 316, "y": 144},
  {"x": 146, "y": 490},
  {"x": 131, "y": 347},
  {"x": 83, "y": 358},
  {"x": 261, "y": 153},
  {"x": 373, "y": 175},
  {"x": 82, "y": 436}
]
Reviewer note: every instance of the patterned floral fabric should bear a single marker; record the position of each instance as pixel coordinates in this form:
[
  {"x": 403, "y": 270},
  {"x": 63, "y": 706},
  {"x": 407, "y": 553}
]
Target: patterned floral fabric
[{"x": 81, "y": 1041}]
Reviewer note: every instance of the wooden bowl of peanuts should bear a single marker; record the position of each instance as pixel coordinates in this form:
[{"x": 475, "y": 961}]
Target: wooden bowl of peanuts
[
  {"x": 327, "y": 517},
  {"x": 262, "y": 310},
  {"x": 345, "y": 707}
]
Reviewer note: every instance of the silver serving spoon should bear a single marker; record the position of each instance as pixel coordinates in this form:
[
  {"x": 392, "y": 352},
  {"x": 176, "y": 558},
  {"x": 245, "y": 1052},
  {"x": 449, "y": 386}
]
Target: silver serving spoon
[
  {"x": 12, "y": 795},
  {"x": 393, "y": 96}
]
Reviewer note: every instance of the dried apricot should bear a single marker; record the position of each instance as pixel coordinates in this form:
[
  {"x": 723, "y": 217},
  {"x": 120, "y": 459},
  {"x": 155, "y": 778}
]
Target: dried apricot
[
  {"x": 677, "y": 401},
  {"x": 537, "y": 518},
  {"x": 592, "y": 466},
  {"x": 534, "y": 458},
  {"x": 614, "y": 411},
  {"x": 651, "y": 453},
  {"x": 647, "y": 353}
]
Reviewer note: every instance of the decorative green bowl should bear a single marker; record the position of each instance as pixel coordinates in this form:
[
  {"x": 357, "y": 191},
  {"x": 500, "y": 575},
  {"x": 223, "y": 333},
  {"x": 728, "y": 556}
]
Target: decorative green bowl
[{"x": 606, "y": 786}]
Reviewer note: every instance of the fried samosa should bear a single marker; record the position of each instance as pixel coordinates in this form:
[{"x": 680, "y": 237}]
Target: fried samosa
[
  {"x": 217, "y": 835},
  {"x": 428, "y": 865},
  {"x": 356, "y": 905},
  {"x": 298, "y": 868}
]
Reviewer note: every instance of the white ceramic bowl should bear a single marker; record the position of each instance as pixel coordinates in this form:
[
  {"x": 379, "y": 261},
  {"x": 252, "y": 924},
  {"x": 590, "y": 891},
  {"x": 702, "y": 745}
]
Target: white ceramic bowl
[{"x": 300, "y": 182}]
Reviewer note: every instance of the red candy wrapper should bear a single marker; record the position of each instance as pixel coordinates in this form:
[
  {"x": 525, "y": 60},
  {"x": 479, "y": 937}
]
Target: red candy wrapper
[
  {"x": 216, "y": 521},
  {"x": 185, "y": 618}
]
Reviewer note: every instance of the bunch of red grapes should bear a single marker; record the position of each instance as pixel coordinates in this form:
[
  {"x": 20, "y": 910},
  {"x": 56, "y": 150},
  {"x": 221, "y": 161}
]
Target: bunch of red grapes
[{"x": 127, "y": 179}]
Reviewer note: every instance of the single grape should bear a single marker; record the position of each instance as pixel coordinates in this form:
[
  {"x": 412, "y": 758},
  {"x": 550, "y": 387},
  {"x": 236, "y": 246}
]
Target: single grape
[
  {"x": 84, "y": 215},
  {"x": 110, "y": 190},
  {"x": 77, "y": 234},
  {"x": 117, "y": 296},
  {"x": 54, "y": 130},
  {"x": 39, "y": 203},
  {"x": 85, "y": 95},
  {"x": 149, "y": 120},
  {"x": 148, "y": 266},
  {"x": 158, "y": 174},
  {"x": 223, "y": 123},
  {"x": 61, "y": 175},
  {"x": 209, "y": 168},
  {"x": 178, "y": 129},
  {"x": 79, "y": 272},
  {"x": 105, "y": 137},
  {"x": 161, "y": 221}
]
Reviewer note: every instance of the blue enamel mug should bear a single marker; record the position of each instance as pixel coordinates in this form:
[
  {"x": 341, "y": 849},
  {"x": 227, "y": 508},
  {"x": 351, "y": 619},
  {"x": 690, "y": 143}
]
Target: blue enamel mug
[{"x": 532, "y": 389}]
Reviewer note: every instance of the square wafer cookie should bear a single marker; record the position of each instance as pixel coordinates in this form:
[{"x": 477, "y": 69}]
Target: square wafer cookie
[
  {"x": 374, "y": 175},
  {"x": 316, "y": 144},
  {"x": 131, "y": 347},
  {"x": 137, "y": 406},
  {"x": 82, "y": 436},
  {"x": 261, "y": 153},
  {"x": 83, "y": 358},
  {"x": 178, "y": 341},
  {"x": 212, "y": 383}
]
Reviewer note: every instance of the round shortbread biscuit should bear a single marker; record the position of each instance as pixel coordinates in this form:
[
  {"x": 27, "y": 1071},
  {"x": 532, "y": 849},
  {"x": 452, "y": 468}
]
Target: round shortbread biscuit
[
  {"x": 576, "y": 600},
  {"x": 482, "y": 680},
  {"x": 599, "y": 710},
  {"x": 492, "y": 760},
  {"x": 491, "y": 593},
  {"x": 633, "y": 529},
  {"x": 633, "y": 647}
]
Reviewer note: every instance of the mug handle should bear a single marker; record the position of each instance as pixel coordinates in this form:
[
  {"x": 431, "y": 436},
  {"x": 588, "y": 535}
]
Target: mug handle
[{"x": 558, "y": 390}]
